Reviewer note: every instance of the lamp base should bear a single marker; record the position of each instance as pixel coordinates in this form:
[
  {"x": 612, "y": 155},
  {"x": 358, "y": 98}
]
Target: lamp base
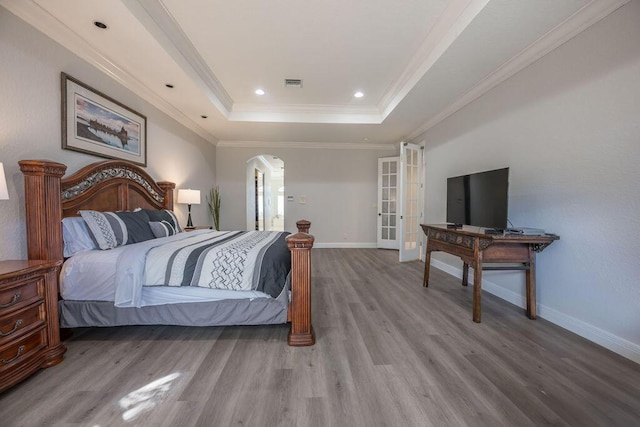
[{"x": 189, "y": 223}]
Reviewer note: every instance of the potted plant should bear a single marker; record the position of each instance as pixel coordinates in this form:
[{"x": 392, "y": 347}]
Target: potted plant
[{"x": 213, "y": 199}]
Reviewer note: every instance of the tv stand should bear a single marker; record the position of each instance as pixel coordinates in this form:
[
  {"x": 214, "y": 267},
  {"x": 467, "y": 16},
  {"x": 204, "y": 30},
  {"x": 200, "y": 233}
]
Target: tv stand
[{"x": 477, "y": 248}]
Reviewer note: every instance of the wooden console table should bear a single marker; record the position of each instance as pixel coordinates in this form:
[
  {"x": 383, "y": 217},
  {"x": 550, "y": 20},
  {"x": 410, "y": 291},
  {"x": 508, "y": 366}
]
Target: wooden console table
[{"x": 477, "y": 248}]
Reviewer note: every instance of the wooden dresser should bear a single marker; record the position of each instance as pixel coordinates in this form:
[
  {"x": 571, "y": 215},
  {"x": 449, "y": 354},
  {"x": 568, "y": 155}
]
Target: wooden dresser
[{"x": 29, "y": 328}]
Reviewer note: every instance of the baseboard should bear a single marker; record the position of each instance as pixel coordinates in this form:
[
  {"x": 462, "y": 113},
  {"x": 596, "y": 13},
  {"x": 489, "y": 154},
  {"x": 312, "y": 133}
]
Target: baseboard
[
  {"x": 592, "y": 333},
  {"x": 346, "y": 245}
]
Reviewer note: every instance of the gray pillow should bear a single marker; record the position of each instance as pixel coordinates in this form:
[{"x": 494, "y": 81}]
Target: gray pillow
[
  {"x": 137, "y": 224},
  {"x": 164, "y": 215},
  {"x": 162, "y": 228}
]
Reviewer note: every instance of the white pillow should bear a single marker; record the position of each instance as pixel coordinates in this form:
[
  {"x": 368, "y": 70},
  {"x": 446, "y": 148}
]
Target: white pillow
[{"x": 76, "y": 236}]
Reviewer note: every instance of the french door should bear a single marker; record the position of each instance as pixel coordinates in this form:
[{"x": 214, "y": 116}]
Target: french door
[
  {"x": 388, "y": 188},
  {"x": 411, "y": 197}
]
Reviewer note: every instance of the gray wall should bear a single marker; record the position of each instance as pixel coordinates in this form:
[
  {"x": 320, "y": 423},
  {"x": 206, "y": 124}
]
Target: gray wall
[
  {"x": 30, "y": 126},
  {"x": 568, "y": 126},
  {"x": 340, "y": 188}
]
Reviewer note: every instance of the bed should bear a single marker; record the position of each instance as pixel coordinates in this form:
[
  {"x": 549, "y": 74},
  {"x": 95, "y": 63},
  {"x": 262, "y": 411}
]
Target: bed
[{"x": 116, "y": 186}]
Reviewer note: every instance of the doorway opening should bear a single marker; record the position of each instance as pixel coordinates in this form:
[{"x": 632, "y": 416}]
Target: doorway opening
[{"x": 265, "y": 193}]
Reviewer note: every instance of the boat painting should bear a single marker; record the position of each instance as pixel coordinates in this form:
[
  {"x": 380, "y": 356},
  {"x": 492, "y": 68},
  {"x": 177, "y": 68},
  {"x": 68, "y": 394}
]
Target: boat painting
[{"x": 98, "y": 124}]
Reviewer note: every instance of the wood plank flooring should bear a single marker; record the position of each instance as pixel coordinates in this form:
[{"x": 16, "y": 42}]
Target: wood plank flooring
[{"x": 389, "y": 353}]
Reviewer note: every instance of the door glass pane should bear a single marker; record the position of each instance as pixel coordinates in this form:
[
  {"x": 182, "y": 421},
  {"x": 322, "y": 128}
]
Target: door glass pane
[
  {"x": 392, "y": 194},
  {"x": 385, "y": 207},
  {"x": 392, "y": 220},
  {"x": 385, "y": 194},
  {"x": 392, "y": 234},
  {"x": 385, "y": 167},
  {"x": 392, "y": 180},
  {"x": 385, "y": 220},
  {"x": 393, "y": 168},
  {"x": 392, "y": 207},
  {"x": 385, "y": 233},
  {"x": 385, "y": 181}
]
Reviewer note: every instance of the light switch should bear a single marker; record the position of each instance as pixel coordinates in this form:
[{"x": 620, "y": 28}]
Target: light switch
[{"x": 290, "y": 199}]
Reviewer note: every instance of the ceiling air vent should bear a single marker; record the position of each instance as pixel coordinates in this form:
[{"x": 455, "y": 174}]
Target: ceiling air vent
[{"x": 292, "y": 82}]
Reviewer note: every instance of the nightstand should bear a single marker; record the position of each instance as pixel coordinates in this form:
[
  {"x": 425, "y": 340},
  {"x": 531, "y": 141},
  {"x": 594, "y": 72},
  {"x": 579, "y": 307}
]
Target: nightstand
[{"x": 29, "y": 328}]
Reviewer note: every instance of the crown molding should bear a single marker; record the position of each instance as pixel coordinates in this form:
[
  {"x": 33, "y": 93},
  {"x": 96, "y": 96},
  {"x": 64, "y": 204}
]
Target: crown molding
[
  {"x": 305, "y": 114},
  {"x": 306, "y": 108},
  {"x": 43, "y": 21},
  {"x": 454, "y": 20},
  {"x": 561, "y": 33},
  {"x": 313, "y": 145},
  {"x": 161, "y": 24}
]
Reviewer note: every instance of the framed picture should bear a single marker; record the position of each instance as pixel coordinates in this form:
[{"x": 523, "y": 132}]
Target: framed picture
[{"x": 96, "y": 124}]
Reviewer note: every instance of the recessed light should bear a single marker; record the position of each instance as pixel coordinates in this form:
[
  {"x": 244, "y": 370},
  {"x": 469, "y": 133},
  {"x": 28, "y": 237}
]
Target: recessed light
[
  {"x": 100, "y": 25},
  {"x": 203, "y": 116},
  {"x": 259, "y": 92},
  {"x": 358, "y": 94},
  {"x": 169, "y": 85},
  {"x": 365, "y": 139}
]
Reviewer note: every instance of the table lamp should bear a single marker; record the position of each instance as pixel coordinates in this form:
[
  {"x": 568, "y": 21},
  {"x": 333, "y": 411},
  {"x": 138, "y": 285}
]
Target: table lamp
[
  {"x": 189, "y": 197},
  {"x": 4, "y": 192}
]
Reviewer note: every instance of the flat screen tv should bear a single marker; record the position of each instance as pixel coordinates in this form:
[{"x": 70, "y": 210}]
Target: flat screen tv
[{"x": 479, "y": 199}]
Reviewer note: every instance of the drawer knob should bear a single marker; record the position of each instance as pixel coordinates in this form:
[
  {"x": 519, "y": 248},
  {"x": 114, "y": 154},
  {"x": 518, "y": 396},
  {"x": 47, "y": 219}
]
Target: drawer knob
[
  {"x": 15, "y": 299},
  {"x": 19, "y": 323},
  {"x": 7, "y": 361}
]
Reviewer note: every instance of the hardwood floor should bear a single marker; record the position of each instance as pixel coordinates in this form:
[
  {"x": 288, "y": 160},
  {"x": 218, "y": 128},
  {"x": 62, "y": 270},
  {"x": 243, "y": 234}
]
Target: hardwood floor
[{"x": 389, "y": 353}]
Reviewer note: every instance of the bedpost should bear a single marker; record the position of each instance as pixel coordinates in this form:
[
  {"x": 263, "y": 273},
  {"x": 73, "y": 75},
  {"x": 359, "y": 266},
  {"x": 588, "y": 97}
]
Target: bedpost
[
  {"x": 301, "y": 333},
  {"x": 303, "y": 226},
  {"x": 43, "y": 208},
  {"x": 168, "y": 193}
]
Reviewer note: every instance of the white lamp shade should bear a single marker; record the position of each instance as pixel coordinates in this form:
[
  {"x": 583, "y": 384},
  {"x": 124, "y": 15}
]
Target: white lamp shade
[
  {"x": 4, "y": 193},
  {"x": 189, "y": 197}
]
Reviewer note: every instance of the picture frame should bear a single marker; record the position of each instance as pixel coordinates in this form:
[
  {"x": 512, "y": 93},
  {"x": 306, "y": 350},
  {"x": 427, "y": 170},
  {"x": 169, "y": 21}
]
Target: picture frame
[{"x": 94, "y": 123}]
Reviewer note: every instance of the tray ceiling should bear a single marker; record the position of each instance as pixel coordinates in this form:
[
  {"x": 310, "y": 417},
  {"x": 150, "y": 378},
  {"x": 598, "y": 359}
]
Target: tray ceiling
[{"x": 415, "y": 61}]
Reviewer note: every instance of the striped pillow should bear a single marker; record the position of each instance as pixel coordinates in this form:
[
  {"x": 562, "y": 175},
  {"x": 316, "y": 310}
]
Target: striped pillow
[
  {"x": 112, "y": 229},
  {"x": 164, "y": 215},
  {"x": 108, "y": 230},
  {"x": 162, "y": 228}
]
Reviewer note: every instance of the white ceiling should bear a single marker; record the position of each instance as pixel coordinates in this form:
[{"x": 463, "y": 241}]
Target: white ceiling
[{"x": 416, "y": 61}]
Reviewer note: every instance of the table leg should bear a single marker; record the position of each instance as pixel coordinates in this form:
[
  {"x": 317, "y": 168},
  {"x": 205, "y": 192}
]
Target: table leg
[
  {"x": 465, "y": 274},
  {"x": 477, "y": 290},
  {"x": 530, "y": 277},
  {"x": 427, "y": 265}
]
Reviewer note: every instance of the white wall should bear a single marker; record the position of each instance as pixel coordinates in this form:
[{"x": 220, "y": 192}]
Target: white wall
[
  {"x": 30, "y": 127},
  {"x": 568, "y": 126},
  {"x": 339, "y": 185}
]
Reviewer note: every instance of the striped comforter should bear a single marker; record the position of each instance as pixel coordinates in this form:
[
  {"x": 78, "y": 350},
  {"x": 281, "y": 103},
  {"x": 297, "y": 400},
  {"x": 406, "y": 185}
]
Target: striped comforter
[{"x": 232, "y": 260}]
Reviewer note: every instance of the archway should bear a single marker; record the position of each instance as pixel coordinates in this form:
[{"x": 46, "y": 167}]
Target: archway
[{"x": 265, "y": 193}]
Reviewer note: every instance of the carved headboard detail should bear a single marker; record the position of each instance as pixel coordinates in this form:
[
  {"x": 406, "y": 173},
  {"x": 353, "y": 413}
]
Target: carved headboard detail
[{"x": 111, "y": 185}]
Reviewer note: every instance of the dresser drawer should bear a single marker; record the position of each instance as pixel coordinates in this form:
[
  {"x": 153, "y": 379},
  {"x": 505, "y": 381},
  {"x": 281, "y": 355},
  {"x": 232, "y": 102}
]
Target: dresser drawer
[
  {"x": 21, "y": 350},
  {"x": 20, "y": 294},
  {"x": 20, "y": 322}
]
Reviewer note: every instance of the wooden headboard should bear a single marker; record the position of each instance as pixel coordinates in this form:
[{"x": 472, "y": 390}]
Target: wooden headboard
[{"x": 112, "y": 185}]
